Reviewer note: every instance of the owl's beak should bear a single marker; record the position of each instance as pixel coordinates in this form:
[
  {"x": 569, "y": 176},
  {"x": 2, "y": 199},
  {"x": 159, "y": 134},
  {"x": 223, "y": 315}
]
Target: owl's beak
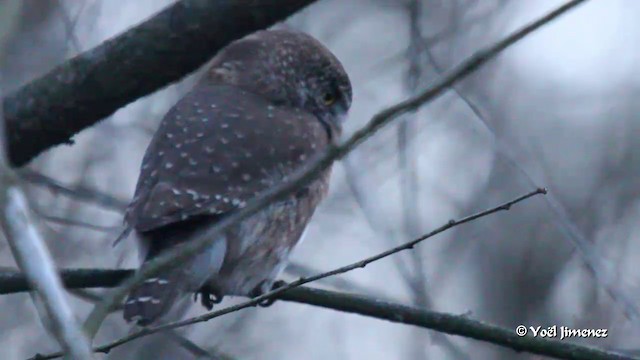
[
  {"x": 333, "y": 121},
  {"x": 329, "y": 126}
]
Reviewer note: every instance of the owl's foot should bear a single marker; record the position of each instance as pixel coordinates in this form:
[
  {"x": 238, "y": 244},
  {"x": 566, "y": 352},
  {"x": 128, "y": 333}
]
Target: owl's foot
[
  {"x": 260, "y": 290},
  {"x": 209, "y": 296}
]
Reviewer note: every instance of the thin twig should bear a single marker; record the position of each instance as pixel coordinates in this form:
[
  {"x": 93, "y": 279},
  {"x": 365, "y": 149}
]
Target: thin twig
[
  {"x": 461, "y": 325},
  {"x": 172, "y": 335},
  {"x": 11, "y": 282},
  {"x": 357, "y": 265},
  {"x": 76, "y": 223},
  {"x": 415, "y": 280},
  {"x": 588, "y": 255},
  {"x": 299, "y": 270},
  {"x": 81, "y": 193},
  {"x": 178, "y": 256}
]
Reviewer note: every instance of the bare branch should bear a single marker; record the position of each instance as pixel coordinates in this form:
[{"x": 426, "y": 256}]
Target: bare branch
[
  {"x": 75, "y": 223},
  {"x": 357, "y": 265},
  {"x": 81, "y": 193},
  {"x": 14, "y": 281},
  {"x": 338, "y": 283},
  {"x": 172, "y": 335},
  {"x": 26, "y": 244},
  {"x": 33, "y": 258},
  {"x": 161, "y": 50},
  {"x": 11, "y": 282},
  {"x": 416, "y": 279},
  {"x": 447, "y": 323},
  {"x": 460, "y": 325},
  {"x": 588, "y": 254},
  {"x": 301, "y": 178}
]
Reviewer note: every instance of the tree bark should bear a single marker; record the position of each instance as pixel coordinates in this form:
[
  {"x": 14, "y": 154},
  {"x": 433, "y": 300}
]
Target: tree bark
[{"x": 93, "y": 85}]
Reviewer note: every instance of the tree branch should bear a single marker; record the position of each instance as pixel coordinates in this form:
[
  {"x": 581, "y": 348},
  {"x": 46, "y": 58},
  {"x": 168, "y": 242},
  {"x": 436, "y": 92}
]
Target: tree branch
[
  {"x": 584, "y": 246},
  {"x": 14, "y": 282},
  {"x": 176, "y": 257},
  {"x": 27, "y": 245},
  {"x": 276, "y": 292},
  {"x": 33, "y": 258},
  {"x": 93, "y": 85},
  {"x": 447, "y": 323},
  {"x": 79, "y": 193}
]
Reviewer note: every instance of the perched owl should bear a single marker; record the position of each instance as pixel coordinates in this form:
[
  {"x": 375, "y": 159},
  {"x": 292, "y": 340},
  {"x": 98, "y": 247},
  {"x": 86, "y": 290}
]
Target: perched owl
[{"x": 268, "y": 103}]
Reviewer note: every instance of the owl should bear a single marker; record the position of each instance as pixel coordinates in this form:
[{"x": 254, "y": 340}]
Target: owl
[{"x": 267, "y": 104}]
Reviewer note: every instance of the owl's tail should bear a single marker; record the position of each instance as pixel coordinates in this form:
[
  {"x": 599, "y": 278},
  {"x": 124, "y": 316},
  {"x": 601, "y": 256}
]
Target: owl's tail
[{"x": 153, "y": 298}]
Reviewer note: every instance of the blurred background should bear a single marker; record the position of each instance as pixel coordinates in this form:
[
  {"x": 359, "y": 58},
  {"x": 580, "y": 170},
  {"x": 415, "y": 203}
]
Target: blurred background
[{"x": 556, "y": 110}]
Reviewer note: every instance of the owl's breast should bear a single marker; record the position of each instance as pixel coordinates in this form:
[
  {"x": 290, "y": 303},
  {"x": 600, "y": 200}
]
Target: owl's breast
[{"x": 259, "y": 248}]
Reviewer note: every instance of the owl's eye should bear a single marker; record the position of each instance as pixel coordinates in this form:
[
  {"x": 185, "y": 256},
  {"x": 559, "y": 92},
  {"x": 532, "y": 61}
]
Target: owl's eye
[{"x": 329, "y": 99}]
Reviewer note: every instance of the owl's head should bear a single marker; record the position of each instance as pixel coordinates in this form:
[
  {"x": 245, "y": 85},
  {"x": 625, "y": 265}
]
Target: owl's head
[{"x": 289, "y": 68}]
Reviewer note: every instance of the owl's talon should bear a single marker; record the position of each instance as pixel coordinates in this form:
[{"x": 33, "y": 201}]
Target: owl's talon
[
  {"x": 266, "y": 302},
  {"x": 259, "y": 291},
  {"x": 278, "y": 284},
  {"x": 209, "y": 296}
]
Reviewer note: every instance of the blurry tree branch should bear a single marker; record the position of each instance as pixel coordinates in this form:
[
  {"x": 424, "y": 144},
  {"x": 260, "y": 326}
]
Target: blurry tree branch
[
  {"x": 33, "y": 258},
  {"x": 460, "y": 325},
  {"x": 175, "y": 257},
  {"x": 300, "y": 270},
  {"x": 439, "y": 37},
  {"x": 81, "y": 193},
  {"x": 93, "y": 85},
  {"x": 173, "y": 335},
  {"x": 590, "y": 256},
  {"x": 76, "y": 223},
  {"x": 414, "y": 279},
  {"x": 15, "y": 282},
  {"x": 70, "y": 22},
  {"x": 25, "y": 241}
]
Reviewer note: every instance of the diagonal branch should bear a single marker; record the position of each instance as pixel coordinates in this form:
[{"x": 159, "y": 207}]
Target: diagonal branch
[
  {"x": 460, "y": 325},
  {"x": 80, "y": 193},
  {"x": 33, "y": 258},
  {"x": 75, "y": 223},
  {"x": 176, "y": 257},
  {"x": 12, "y": 281},
  {"x": 585, "y": 248},
  {"x": 176, "y": 41},
  {"x": 357, "y": 265},
  {"x": 447, "y": 323}
]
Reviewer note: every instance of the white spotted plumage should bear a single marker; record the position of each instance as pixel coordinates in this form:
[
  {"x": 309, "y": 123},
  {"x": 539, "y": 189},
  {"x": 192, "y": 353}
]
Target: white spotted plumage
[{"x": 255, "y": 118}]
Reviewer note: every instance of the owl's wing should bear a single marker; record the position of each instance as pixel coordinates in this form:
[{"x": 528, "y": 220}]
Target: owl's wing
[{"x": 216, "y": 149}]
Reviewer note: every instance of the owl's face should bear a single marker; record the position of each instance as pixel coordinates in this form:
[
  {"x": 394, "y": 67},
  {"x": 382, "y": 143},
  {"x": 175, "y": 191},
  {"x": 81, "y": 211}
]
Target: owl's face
[{"x": 291, "y": 69}]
